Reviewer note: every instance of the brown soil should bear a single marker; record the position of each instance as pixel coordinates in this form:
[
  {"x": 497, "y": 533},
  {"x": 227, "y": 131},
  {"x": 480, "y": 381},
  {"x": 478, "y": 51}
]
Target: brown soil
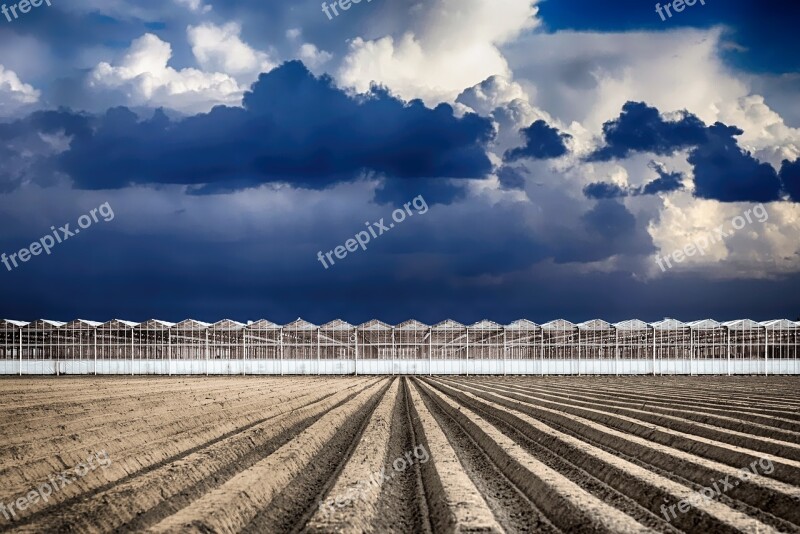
[{"x": 305, "y": 454}]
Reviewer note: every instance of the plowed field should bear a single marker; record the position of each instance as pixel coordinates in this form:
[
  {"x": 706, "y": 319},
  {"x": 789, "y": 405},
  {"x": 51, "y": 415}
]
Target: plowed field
[{"x": 384, "y": 454}]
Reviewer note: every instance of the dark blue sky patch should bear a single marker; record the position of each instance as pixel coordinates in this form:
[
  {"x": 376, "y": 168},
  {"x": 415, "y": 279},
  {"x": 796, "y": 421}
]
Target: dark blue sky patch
[
  {"x": 139, "y": 277},
  {"x": 765, "y": 30}
]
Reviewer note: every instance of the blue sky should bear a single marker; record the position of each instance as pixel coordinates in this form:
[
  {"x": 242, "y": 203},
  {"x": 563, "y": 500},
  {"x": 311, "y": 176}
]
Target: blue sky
[
  {"x": 562, "y": 147},
  {"x": 764, "y": 30}
]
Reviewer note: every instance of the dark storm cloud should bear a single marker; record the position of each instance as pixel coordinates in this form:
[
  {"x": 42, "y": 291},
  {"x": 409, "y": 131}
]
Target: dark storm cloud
[
  {"x": 433, "y": 190},
  {"x": 609, "y": 219},
  {"x": 722, "y": 170},
  {"x": 137, "y": 278},
  {"x": 454, "y": 260},
  {"x": 790, "y": 176},
  {"x": 511, "y": 177},
  {"x": 598, "y": 190},
  {"x": 725, "y": 172},
  {"x": 26, "y": 155},
  {"x": 666, "y": 182},
  {"x": 541, "y": 142},
  {"x": 56, "y": 121},
  {"x": 293, "y": 128},
  {"x": 640, "y": 128},
  {"x": 610, "y": 229}
]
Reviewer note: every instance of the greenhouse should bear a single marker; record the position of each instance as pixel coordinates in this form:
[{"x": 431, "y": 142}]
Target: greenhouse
[{"x": 559, "y": 347}]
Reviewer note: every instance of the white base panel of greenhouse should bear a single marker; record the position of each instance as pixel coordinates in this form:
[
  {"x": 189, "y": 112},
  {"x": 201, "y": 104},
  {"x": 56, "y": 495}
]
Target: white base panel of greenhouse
[{"x": 401, "y": 367}]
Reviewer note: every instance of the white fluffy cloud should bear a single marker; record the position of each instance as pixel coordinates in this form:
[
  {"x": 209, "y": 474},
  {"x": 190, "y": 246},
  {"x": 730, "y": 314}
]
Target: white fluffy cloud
[
  {"x": 312, "y": 56},
  {"x": 507, "y": 103},
  {"x": 308, "y": 53},
  {"x": 145, "y": 78},
  {"x": 221, "y": 49},
  {"x": 452, "y": 45},
  {"x": 196, "y": 6},
  {"x": 227, "y": 64},
  {"x": 765, "y": 132},
  {"x": 763, "y": 246},
  {"x": 14, "y": 94},
  {"x": 587, "y": 77},
  {"x": 481, "y": 55},
  {"x": 583, "y": 79},
  {"x": 492, "y": 93}
]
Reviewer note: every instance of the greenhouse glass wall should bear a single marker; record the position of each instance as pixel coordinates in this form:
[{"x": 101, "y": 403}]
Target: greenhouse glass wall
[{"x": 559, "y": 347}]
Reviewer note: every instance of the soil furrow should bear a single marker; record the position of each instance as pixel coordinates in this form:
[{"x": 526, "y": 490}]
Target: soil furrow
[
  {"x": 237, "y": 502},
  {"x": 759, "y": 491},
  {"x": 511, "y": 507},
  {"x": 674, "y": 431},
  {"x": 769, "y": 425},
  {"x": 144, "y": 498},
  {"x": 566, "y": 505},
  {"x": 455, "y": 504},
  {"x": 648, "y": 488},
  {"x": 401, "y": 455}
]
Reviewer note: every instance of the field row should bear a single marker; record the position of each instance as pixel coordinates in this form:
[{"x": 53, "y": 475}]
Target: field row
[{"x": 422, "y": 454}]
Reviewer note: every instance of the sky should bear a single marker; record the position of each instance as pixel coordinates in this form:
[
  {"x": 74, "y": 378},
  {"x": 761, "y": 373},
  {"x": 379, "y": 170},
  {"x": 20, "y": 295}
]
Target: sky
[{"x": 462, "y": 159}]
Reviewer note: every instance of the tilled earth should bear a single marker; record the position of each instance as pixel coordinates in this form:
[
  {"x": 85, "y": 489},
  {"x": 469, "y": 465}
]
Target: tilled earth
[{"x": 400, "y": 454}]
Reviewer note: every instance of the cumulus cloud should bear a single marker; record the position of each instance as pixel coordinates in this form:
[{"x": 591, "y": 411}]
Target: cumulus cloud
[
  {"x": 763, "y": 130},
  {"x": 28, "y": 147},
  {"x": 725, "y": 172},
  {"x": 790, "y": 176},
  {"x": 541, "y": 142},
  {"x": 640, "y": 128},
  {"x": 765, "y": 246},
  {"x": 14, "y": 94},
  {"x": 665, "y": 183},
  {"x": 492, "y": 93},
  {"x": 722, "y": 169},
  {"x": 569, "y": 212},
  {"x": 221, "y": 49},
  {"x": 588, "y": 76},
  {"x": 508, "y": 105},
  {"x": 452, "y": 45},
  {"x": 310, "y": 55},
  {"x": 293, "y": 128},
  {"x": 144, "y": 77}
]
